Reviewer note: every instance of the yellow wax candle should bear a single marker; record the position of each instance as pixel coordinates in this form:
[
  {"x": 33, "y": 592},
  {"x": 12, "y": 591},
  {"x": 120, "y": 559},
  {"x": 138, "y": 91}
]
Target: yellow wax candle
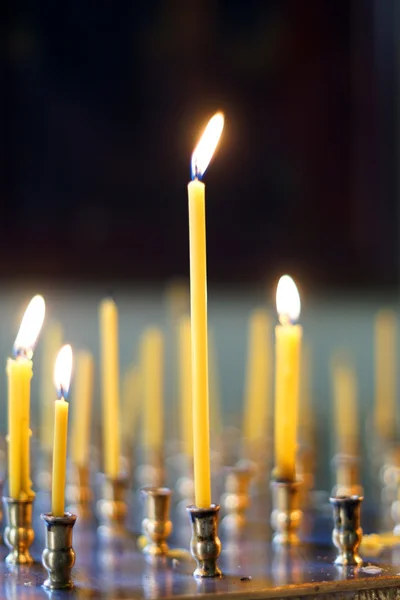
[
  {"x": 258, "y": 380},
  {"x": 19, "y": 374},
  {"x": 62, "y": 376},
  {"x": 110, "y": 385},
  {"x": 287, "y": 375},
  {"x": 131, "y": 403},
  {"x": 51, "y": 343},
  {"x": 185, "y": 386},
  {"x": 198, "y": 310},
  {"x": 345, "y": 405},
  {"x": 152, "y": 369},
  {"x": 385, "y": 374},
  {"x": 82, "y": 408}
]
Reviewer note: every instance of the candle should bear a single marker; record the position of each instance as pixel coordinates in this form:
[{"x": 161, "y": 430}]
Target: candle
[
  {"x": 287, "y": 373},
  {"x": 83, "y": 393},
  {"x": 52, "y": 339},
  {"x": 185, "y": 386},
  {"x": 345, "y": 406},
  {"x": 307, "y": 419},
  {"x": 198, "y": 309},
  {"x": 131, "y": 404},
  {"x": 19, "y": 374},
  {"x": 214, "y": 390},
  {"x": 110, "y": 385},
  {"x": 258, "y": 381},
  {"x": 62, "y": 376},
  {"x": 152, "y": 368},
  {"x": 385, "y": 374}
]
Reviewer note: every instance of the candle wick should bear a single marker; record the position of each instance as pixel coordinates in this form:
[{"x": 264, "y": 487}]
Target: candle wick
[
  {"x": 284, "y": 319},
  {"x": 20, "y": 353}
]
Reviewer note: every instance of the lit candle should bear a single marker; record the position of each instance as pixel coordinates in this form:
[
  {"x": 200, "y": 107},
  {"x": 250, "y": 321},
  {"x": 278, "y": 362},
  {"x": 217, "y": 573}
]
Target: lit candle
[
  {"x": 51, "y": 342},
  {"x": 287, "y": 374},
  {"x": 198, "y": 310},
  {"x": 110, "y": 385},
  {"x": 19, "y": 374},
  {"x": 62, "y": 376},
  {"x": 385, "y": 374},
  {"x": 83, "y": 393},
  {"x": 185, "y": 386},
  {"x": 258, "y": 381},
  {"x": 152, "y": 369}
]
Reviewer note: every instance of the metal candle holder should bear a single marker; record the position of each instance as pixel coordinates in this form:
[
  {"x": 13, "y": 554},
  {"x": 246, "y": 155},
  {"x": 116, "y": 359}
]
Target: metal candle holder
[
  {"x": 156, "y": 526},
  {"x": 18, "y": 534},
  {"x": 286, "y": 515},
  {"x": 236, "y": 499},
  {"x": 80, "y": 494},
  {"x": 58, "y": 557},
  {"x": 205, "y": 545},
  {"x": 347, "y": 533},
  {"x": 112, "y": 509}
]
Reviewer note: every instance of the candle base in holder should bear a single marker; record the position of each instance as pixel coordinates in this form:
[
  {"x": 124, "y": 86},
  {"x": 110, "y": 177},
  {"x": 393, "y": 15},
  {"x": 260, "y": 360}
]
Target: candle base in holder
[
  {"x": 18, "y": 534},
  {"x": 112, "y": 509},
  {"x": 205, "y": 545},
  {"x": 58, "y": 557},
  {"x": 156, "y": 526},
  {"x": 286, "y": 515},
  {"x": 347, "y": 533},
  {"x": 80, "y": 494},
  {"x": 236, "y": 499}
]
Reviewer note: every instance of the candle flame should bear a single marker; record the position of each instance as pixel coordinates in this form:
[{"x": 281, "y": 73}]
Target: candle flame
[
  {"x": 62, "y": 370},
  {"x": 206, "y": 147},
  {"x": 30, "y": 327},
  {"x": 287, "y": 300}
]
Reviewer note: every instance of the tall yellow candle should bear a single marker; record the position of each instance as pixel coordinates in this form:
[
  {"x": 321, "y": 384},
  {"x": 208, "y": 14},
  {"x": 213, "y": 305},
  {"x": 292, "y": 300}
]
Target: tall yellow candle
[
  {"x": 152, "y": 369},
  {"x": 287, "y": 376},
  {"x": 19, "y": 374},
  {"x": 385, "y": 374},
  {"x": 62, "y": 376},
  {"x": 110, "y": 385},
  {"x": 52, "y": 339},
  {"x": 185, "y": 386},
  {"x": 131, "y": 403},
  {"x": 82, "y": 408},
  {"x": 259, "y": 375},
  {"x": 345, "y": 406},
  {"x": 198, "y": 310}
]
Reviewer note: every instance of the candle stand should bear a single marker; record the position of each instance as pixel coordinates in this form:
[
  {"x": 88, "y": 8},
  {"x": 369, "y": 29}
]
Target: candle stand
[
  {"x": 286, "y": 515},
  {"x": 79, "y": 493},
  {"x": 112, "y": 509},
  {"x": 58, "y": 557},
  {"x": 205, "y": 545},
  {"x": 236, "y": 499},
  {"x": 347, "y": 533},
  {"x": 18, "y": 534},
  {"x": 157, "y": 526}
]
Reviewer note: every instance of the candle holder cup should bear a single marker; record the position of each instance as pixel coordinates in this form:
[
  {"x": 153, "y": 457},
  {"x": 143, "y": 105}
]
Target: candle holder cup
[
  {"x": 286, "y": 515},
  {"x": 112, "y": 509},
  {"x": 347, "y": 533},
  {"x": 58, "y": 557},
  {"x": 18, "y": 534},
  {"x": 205, "y": 545},
  {"x": 157, "y": 526}
]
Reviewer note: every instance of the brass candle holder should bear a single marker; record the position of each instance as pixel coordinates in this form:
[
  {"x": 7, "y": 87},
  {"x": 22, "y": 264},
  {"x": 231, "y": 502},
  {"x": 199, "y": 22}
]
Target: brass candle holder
[
  {"x": 58, "y": 557},
  {"x": 156, "y": 526},
  {"x": 112, "y": 509},
  {"x": 79, "y": 493},
  {"x": 236, "y": 499},
  {"x": 286, "y": 515},
  {"x": 18, "y": 534},
  {"x": 205, "y": 545},
  {"x": 347, "y": 533}
]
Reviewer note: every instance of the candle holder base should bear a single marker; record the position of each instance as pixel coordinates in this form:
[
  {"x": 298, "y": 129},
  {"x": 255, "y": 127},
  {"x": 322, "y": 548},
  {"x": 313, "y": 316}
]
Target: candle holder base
[
  {"x": 156, "y": 526},
  {"x": 286, "y": 515},
  {"x": 205, "y": 545},
  {"x": 112, "y": 509},
  {"x": 58, "y": 557},
  {"x": 80, "y": 494},
  {"x": 236, "y": 499},
  {"x": 18, "y": 534},
  {"x": 347, "y": 533}
]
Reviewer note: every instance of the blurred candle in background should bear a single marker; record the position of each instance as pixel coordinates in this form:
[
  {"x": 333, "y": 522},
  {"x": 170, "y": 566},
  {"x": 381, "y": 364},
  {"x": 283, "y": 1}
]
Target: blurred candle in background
[
  {"x": 185, "y": 386},
  {"x": 152, "y": 371},
  {"x": 109, "y": 367},
  {"x": 198, "y": 309},
  {"x": 19, "y": 375},
  {"x": 82, "y": 408},
  {"x": 344, "y": 382},
  {"x": 131, "y": 405},
  {"x": 306, "y": 413},
  {"x": 287, "y": 377},
  {"x": 216, "y": 425},
  {"x": 385, "y": 330},
  {"x": 52, "y": 338}
]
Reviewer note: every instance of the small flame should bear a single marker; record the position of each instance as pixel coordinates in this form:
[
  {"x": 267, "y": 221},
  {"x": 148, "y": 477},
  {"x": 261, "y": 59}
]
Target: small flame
[
  {"x": 30, "y": 327},
  {"x": 287, "y": 300},
  {"x": 62, "y": 370},
  {"x": 206, "y": 147}
]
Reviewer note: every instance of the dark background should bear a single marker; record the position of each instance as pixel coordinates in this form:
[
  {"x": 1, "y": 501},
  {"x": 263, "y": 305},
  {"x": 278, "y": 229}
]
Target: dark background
[{"x": 103, "y": 103}]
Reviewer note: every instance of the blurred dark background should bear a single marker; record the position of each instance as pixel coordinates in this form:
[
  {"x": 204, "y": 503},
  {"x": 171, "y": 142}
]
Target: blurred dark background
[{"x": 103, "y": 104}]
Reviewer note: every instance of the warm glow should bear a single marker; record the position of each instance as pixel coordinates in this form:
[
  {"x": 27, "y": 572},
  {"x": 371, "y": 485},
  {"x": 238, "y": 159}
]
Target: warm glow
[
  {"x": 30, "y": 327},
  {"x": 62, "y": 370},
  {"x": 287, "y": 300},
  {"x": 207, "y": 145}
]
